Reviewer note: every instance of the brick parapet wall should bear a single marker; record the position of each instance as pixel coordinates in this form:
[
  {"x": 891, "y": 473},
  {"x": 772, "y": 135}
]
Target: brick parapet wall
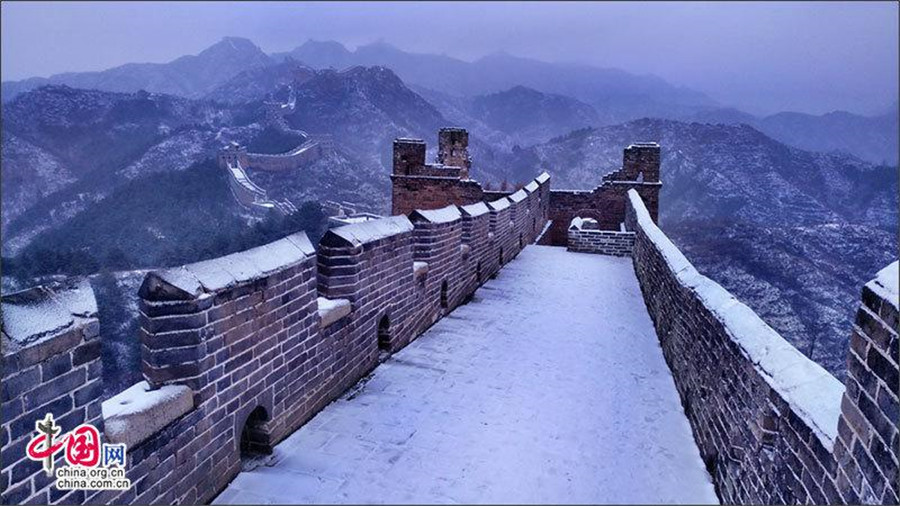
[
  {"x": 765, "y": 417},
  {"x": 502, "y": 230},
  {"x": 867, "y": 447},
  {"x": 438, "y": 241},
  {"x": 58, "y": 373},
  {"x": 478, "y": 261},
  {"x": 243, "y": 337},
  {"x": 373, "y": 269}
]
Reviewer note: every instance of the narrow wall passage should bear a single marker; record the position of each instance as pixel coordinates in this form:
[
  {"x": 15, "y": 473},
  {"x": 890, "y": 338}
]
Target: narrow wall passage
[{"x": 549, "y": 386}]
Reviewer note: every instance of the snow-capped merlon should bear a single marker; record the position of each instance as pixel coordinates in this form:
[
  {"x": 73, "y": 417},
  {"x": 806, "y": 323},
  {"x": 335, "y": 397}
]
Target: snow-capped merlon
[
  {"x": 194, "y": 280},
  {"x": 499, "y": 204},
  {"x": 885, "y": 284},
  {"x": 361, "y": 233},
  {"x": 36, "y": 313},
  {"x": 518, "y": 196},
  {"x": 543, "y": 178},
  {"x": 813, "y": 393},
  {"x": 476, "y": 209},
  {"x": 531, "y": 187},
  {"x": 442, "y": 215}
]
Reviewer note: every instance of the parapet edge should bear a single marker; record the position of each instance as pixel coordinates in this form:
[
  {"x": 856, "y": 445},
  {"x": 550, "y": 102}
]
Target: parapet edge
[{"x": 805, "y": 385}]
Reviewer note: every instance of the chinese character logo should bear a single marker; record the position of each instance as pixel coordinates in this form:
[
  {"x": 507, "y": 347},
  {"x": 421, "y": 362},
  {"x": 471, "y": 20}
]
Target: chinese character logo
[{"x": 82, "y": 446}]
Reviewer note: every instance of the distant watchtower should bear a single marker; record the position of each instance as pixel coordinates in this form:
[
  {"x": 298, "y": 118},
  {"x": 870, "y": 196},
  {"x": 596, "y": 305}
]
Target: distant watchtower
[
  {"x": 453, "y": 149},
  {"x": 233, "y": 154},
  {"x": 416, "y": 184},
  {"x": 409, "y": 156}
]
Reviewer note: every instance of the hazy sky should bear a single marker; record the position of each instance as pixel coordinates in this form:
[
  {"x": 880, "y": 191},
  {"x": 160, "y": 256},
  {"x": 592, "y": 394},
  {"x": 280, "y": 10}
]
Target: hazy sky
[{"x": 762, "y": 57}]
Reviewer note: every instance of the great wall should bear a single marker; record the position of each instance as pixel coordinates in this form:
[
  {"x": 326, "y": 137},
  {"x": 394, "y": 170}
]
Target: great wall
[
  {"x": 234, "y": 159},
  {"x": 241, "y": 351}
]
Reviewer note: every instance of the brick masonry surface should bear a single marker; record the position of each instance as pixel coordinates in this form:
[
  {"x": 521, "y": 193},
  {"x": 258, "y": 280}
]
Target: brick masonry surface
[
  {"x": 59, "y": 374},
  {"x": 244, "y": 333},
  {"x": 603, "y": 242},
  {"x": 772, "y": 426}
]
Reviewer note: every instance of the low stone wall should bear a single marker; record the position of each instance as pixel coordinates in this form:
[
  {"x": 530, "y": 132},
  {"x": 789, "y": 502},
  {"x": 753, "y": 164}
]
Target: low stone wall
[
  {"x": 590, "y": 239},
  {"x": 240, "y": 351},
  {"x": 772, "y": 425}
]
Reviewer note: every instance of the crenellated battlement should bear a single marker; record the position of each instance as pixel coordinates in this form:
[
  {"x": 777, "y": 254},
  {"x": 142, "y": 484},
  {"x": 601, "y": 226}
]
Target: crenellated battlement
[{"x": 240, "y": 351}]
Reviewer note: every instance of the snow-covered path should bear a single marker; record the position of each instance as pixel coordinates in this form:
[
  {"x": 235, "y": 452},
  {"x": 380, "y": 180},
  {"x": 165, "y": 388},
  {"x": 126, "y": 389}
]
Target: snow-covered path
[{"x": 549, "y": 387}]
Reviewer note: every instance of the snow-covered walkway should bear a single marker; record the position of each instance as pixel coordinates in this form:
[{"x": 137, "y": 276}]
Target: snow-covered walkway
[{"x": 548, "y": 387}]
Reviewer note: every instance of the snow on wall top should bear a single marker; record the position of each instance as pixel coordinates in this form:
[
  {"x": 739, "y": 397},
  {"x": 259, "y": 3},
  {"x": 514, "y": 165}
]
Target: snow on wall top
[
  {"x": 360, "y": 233},
  {"x": 35, "y": 314},
  {"x": 499, "y": 204},
  {"x": 532, "y": 187},
  {"x": 476, "y": 209},
  {"x": 518, "y": 196},
  {"x": 193, "y": 280},
  {"x": 442, "y": 215},
  {"x": 138, "y": 412},
  {"x": 885, "y": 284},
  {"x": 543, "y": 178},
  {"x": 813, "y": 393},
  {"x": 332, "y": 310}
]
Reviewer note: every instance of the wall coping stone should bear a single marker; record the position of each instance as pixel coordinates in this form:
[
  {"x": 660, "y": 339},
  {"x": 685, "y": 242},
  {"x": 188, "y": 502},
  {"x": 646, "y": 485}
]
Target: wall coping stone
[
  {"x": 476, "y": 209},
  {"x": 332, "y": 310},
  {"x": 193, "y": 280},
  {"x": 542, "y": 178},
  {"x": 33, "y": 315},
  {"x": 499, "y": 204},
  {"x": 518, "y": 196},
  {"x": 807, "y": 387},
  {"x": 139, "y": 412},
  {"x": 886, "y": 282},
  {"x": 357, "y": 234},
  {"x": 443, "y": 215}
]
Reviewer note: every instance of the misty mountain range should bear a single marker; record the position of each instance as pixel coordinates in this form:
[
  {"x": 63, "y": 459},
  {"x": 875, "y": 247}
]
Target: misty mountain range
[
  {"x": 614, "y": 95},
  {"x": 90, "y": 159}
]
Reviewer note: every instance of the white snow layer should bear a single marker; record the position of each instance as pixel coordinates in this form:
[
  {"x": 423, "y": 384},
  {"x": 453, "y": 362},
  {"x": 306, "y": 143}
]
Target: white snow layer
[
  {"x": 138, "y": 412},
  {"x": 361, "y": 233},
  {"x": 548, "y": 387},
  {"x": 518, "y": 196},
  {"x": 219, "y": 273},
  {"x": 476, "y": 209},
  {"x": 31, "y": 315},
  {"x": 442, "y": 215},
  {"x": 542, "y": 178},
  {"x": 885, "y": 284},
  {"x": 332, "y": 310},
  {"x": 499, "y": 204},
  {"x": 811, "y": 391}
]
